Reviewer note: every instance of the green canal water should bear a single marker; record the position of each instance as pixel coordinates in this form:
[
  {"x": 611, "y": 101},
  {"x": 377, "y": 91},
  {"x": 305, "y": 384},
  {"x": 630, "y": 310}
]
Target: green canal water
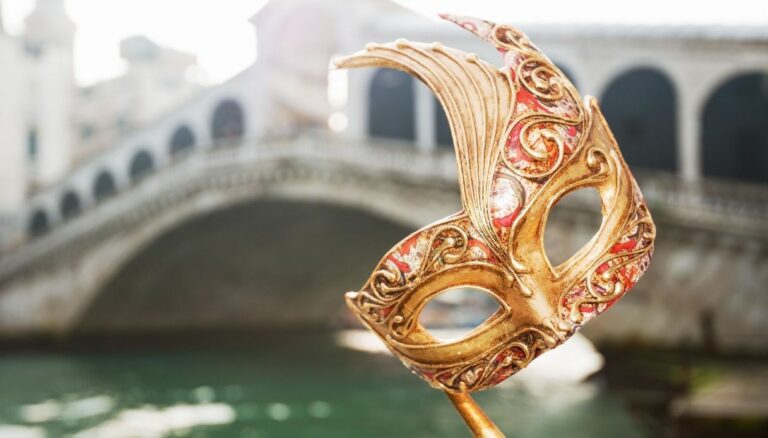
[{"x": 297, "y": 386}]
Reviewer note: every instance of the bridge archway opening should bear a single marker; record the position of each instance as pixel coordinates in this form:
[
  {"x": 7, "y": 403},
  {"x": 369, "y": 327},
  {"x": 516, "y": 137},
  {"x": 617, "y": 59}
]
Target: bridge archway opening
[
  {"x": 442, "y": 128},
  {"x": 734, "y": 138},
  {"x": 70, "y": 205},
  {"x": 104, "y": 186},
  {"x": 39, "y": 224},
  {"x": 391, "y": 112},
  {"x": 640, "y": 105},
  {"x": 260, "y": 264},
  {"x": 228, "y": 122},
  {"x": 182, "y": 141},
  {"x": 142, "y": 165}
]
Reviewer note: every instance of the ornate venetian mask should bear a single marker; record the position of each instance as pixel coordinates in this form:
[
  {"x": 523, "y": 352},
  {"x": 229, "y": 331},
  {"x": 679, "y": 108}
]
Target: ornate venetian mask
[{"x": 524, "y": 139}]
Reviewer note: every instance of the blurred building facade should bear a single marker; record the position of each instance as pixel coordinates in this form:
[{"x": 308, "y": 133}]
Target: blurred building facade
[
  {"x": 49, "y": 124},
  {"x": 157, "y": 80},
  {"x": 687, "y": 104}
]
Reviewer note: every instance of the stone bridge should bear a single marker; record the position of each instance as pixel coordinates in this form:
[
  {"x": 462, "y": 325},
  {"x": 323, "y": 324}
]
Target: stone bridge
[
  {"x": 270, "y": 233},
  {"x": 235, "y": 211},
  {"x": 49, "y": 282}
]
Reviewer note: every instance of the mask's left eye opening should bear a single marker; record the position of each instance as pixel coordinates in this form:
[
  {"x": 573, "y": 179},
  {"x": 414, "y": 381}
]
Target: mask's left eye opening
[{"x": 456, "y": 312}]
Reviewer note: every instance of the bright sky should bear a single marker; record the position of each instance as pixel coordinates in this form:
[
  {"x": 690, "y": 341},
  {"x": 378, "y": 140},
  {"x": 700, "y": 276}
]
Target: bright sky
[
  {"x": 753, "y": 12},
  {"x": 218, "y": 32}
]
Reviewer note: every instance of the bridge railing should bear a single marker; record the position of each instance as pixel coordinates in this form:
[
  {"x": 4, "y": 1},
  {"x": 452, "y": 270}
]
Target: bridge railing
[
  {"x": 715, "y": 204},
  {"x": 711, "y": 195},
  {"x": 392, "y": 156},
  {"x": 395, "y": 159}
]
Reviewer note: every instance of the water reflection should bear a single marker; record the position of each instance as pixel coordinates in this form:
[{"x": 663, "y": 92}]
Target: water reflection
[
  {"x": 150, "y": 421},
  {"x": 278, "y": 387}
]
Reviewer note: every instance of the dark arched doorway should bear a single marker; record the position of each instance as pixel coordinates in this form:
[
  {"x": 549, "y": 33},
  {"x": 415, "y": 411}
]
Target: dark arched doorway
[
  {"x": 182, "y": 141},
  {"x": 142, "y": 165},
  {"x": 103, "y": 186},
  {"x": 734, "y": 135},
  {"x": 69, "y": 205},
  {"x": 228, "y": 123},
  {"x": 442, "y": 127},
  {"x": 261, "y": 264},
  {"x": 640, "y": 107},
  {"x": 391, "y": 105},
  {"x": 38, "y": 224}
]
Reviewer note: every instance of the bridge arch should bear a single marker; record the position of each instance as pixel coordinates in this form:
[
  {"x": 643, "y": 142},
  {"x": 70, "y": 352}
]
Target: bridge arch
[
  {"x": 224, "y": 281},
  {"x": 39, "y": 223},
  {"x": 142, "y": 164},
  {"x": 641, "y": 107},
  {"x": 405, "y": 196},
  {"x": 182, "y": 141},
  {"x": 391, "y": 105},
  {"x": 227, "y": 122},
  {"x": 733, "y": 134},
  {"x": 104, "y": 186},
  {"x": 70, "y": 205}
]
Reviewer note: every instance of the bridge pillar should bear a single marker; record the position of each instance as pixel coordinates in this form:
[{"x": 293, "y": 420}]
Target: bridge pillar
[
  {"x": 688, "y": 141},
  {"x": 693, "y": 81},
  {"x": 426, "y": 128}
]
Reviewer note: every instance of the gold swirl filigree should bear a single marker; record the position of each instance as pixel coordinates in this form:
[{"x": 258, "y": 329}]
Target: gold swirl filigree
[
  {"x": 605, "y": 286},
  {"x": 599, "y": 164},
  {"x": 388, "y": 283},
  {"x": 510, "y": 38},
  {"x": 540, "y": 78},
  {"x": 447, "y": 246},
  {"x": 545, "y": 136},
  {"x": 496, "y": 365}
]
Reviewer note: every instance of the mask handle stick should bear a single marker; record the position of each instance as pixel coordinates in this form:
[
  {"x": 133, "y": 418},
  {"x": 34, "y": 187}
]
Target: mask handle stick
[{"x": 477, "y": 421}]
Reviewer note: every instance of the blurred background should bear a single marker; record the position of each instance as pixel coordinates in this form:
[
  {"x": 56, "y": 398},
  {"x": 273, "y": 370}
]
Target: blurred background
[{"x": 186, "y": 191}]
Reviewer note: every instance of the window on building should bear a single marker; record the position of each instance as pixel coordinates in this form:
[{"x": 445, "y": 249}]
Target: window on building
[
  {"x": 103, "y": 186},
  {"x": 32, "y": 144},
  {"x": 182, "y": 141},
  {"x": 70, "y": 205},
  {"x": 86, "y": 131},
  {"x": 227, "y": 124},
  {"x": 142, "y": 165},
  {"x": 38, "y": 224}
]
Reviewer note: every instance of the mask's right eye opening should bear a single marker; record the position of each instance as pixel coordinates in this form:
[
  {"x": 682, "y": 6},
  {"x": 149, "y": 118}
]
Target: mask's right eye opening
[{"x": 572, "y": 224}]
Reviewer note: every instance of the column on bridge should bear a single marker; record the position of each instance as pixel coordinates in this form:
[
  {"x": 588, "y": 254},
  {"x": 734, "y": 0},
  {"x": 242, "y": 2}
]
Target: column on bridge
[
  {"x": 426, "y": 123},
  {"x": 688, "y": 132}
]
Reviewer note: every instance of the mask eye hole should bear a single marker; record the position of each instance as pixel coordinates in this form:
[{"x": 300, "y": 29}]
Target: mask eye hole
[
  {"x": 572, "y": 223},
  {"x": 455, "y": 313}
]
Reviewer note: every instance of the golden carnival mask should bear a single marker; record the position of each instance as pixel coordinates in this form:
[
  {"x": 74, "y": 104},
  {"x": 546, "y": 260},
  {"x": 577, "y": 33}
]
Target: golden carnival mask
[{"x": 524, "y": 139}]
